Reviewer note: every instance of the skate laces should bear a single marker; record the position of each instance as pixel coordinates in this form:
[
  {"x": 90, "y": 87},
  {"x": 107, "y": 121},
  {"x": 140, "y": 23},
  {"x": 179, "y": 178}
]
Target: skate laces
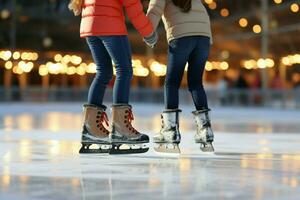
[
  {"x": 130, "y": 118},
  {"x": 104, "y": 118}
]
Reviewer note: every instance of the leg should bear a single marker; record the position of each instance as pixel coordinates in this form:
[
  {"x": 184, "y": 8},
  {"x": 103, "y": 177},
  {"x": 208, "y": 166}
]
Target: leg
[
  {"x": 197, "y": 61},
  {"x": 204, "y": 134},
  {"x": 119, "y": 50},
  {"x": 104, "y": 71},
  {"x": 122, "y": 130},
  {"x": 95, "y": 135},
  {"x": 168, "y": 139},
  {"x": 179, "y": 50}
]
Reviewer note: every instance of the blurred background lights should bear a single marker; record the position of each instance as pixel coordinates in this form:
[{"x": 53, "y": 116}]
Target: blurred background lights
[
  {"x": 243, "y": 22},
  {"x": 47, "y": 42},
  {"x": 225, "y": 54},
  {"x": 16, "y": 55},
  {"x": 278, "y": 1},
  {"x": 260, "y": 63},
  {"x": 256, "y": 28},
  {"x": 208, "y": 1},
  {"x": 291, "y": 60},
  {"x": 43, "y": 70},
  {"x": 58, "y": 57},
  {"x": 294, "y": 7},
  {"x": 224, "y": 12},
  {"x": 212, "y": 5},
  {"x": 235, "y": 46},
  {"x": 8, "y": 65},
  {"x": 158, "y": 69},
  {"x": 5, "y": 14}
]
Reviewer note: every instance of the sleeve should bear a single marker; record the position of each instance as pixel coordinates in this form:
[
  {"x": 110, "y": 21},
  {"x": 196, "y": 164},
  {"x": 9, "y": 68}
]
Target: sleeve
[
  {"x": 155, "y": 11},
  {"x": 136, "y": 15}
]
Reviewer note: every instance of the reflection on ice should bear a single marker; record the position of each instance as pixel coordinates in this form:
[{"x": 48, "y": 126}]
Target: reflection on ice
[
  {"x": 52, "y": 121},
  {"x": 39, "y": 159},
  {"x": 53, "y": 166}
]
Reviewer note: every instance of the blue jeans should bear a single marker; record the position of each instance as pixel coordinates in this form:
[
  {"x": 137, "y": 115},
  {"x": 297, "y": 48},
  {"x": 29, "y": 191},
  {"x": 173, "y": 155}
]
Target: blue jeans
[
  {"x": 193, "y": 50},
  {"x": 106, "y": 49}
]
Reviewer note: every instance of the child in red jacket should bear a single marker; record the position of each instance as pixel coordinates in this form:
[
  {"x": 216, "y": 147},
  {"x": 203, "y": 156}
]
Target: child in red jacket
[{"x": 103, "y": 26}]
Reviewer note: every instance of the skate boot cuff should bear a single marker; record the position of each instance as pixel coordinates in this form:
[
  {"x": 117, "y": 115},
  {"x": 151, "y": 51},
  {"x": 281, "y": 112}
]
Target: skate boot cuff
[
  {"x": 172, "y": 110},
  {"x": 103, "y": 107},
  {"x": 201, "y": 111},
  {"x": 121, "y": 106}
]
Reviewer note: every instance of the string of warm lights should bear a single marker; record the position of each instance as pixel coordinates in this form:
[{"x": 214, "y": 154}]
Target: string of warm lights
[
  {"x": 139, "y": 69},
  {"x": 23, "y": 62},
  {"x": 260, "y": 63},
  {"x": 157, "y": 68},
  {"x": 29, "y": 56},
  {"x": 291, "y": 60},
  {"x": 18, "y": 62},
  {"x": 216, "y": 65}
]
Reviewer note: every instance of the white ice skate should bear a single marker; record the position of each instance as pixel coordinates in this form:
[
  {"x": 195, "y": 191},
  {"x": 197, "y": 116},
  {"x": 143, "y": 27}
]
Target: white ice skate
[
  {"x": 168, "y": 139},
  {"x": 204, "y": 135}
]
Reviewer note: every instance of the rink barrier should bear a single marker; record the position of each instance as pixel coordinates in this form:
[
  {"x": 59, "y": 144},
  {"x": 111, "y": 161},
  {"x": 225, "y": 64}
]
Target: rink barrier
[{"x": 230, "y": 97}]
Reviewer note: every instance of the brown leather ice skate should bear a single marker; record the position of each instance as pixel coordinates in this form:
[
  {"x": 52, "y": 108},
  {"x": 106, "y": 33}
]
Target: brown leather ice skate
[
  {"x": 124, "y": 134},
  {"x": 94, "y": 131}
]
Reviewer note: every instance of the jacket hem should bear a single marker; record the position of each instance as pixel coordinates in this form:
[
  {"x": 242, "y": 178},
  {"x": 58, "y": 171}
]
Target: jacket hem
[
  {"x": 83, "y": 35},
  {"x": 190, "y": 34}
]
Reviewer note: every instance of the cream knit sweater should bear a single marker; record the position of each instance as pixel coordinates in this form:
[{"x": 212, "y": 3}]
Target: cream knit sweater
[{"x": 177, "y": 23}]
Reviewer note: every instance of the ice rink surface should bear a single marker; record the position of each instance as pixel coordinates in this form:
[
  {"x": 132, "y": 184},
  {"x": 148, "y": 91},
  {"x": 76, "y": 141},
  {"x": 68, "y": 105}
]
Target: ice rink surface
[{"x": 257, "y": 157}]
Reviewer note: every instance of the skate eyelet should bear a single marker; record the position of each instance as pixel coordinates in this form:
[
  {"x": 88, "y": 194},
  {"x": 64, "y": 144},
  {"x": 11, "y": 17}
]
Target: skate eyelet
[
  {"x": 98, "y": 117},
  {"x": 98, "y": 126},
  {"x": 97, "y": 121}
]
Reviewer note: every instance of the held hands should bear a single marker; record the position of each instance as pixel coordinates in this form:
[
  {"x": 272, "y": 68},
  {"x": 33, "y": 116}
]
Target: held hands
[{"x": 151, "y": 40}]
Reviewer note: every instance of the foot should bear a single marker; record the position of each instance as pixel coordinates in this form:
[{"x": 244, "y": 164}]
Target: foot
[
  {"x": 95, "y": 136},
  {"x": 124, "y": 137}
]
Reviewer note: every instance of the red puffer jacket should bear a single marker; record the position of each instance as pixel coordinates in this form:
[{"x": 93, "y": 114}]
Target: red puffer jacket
[{"x": 106, "y": 17}]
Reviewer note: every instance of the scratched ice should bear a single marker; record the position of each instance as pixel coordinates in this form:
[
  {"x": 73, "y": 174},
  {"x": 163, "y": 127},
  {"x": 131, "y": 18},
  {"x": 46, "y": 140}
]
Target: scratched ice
[{"x": 257, "y": 157}]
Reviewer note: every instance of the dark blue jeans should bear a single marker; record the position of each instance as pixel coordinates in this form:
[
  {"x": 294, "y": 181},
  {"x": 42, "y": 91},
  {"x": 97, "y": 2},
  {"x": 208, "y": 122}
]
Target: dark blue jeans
[
  {"x": 193, "y": 50},
  {"x": 106, "y": 49}
]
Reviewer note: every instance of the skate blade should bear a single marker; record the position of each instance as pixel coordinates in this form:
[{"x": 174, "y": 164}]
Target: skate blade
[
  {"x": 207, "y": 148},
  {"x": 94, "y": 148},
  {"x": 168, "y": 148},
  {"x": 128, "y": 149}
]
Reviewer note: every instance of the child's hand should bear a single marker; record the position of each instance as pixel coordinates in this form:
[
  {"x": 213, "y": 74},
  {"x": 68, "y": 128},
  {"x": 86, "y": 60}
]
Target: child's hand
[{"x": 151, "y": 40}]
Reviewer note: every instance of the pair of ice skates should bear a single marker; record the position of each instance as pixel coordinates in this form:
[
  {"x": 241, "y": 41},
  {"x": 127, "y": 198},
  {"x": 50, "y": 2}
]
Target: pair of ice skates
[
  {"x": 125, "y": 139},
  {"x": 122, "y": 139},
  {"x": 169, "y": 136}
]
